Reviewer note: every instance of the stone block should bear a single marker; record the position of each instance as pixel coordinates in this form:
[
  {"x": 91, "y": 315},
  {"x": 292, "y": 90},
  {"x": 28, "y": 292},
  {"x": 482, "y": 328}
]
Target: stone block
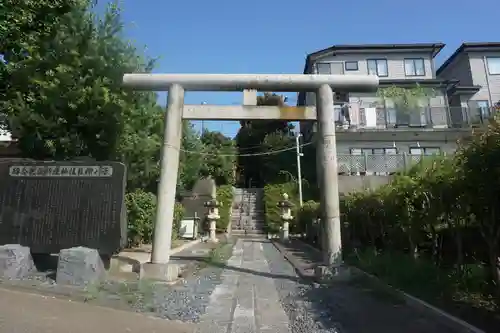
[
  {"x": 15, "y": 261},
  {"x": 332, "y": 274},
  {"x": 160, "y": 272},
  {"x": 79, "y": 266}
]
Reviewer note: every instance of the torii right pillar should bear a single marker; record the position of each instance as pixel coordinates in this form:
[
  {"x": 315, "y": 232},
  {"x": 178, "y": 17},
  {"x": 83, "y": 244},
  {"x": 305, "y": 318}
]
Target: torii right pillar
[{"x": 330, "y": 207}]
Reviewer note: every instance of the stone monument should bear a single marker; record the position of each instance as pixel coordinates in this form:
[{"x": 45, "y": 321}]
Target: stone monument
[
  {"x": 50, "y": 206},
  {"x": 79, "y": 266},
  {"x": 15, "y": 261}
]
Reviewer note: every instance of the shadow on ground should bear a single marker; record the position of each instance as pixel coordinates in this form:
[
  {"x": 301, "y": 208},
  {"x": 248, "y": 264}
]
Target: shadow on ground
[{"x": 237, "y": 269}]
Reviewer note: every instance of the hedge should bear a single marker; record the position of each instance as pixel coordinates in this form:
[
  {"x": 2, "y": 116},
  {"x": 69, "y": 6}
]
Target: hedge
[
  {"x": 225, "y": 197},
  {"x": 306, "y": 218},
  {"x": 273, "y": 193},
  {"x": 141, "y": 210}
]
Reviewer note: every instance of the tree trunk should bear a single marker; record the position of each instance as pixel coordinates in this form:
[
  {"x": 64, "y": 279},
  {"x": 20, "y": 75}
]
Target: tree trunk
[
  {"x": 435, "y": 245},
  {"x": 460, "y": 251},
  {"x": 413, "y": 248}
]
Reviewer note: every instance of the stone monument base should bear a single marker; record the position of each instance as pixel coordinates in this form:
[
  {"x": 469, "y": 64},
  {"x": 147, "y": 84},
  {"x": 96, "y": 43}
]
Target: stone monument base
[
  {"x": 79, "y": 266},
  {"x": 159, "y": 272},
  {"x": 325, "y": 273},
  {"x": 15, "y": 261}
]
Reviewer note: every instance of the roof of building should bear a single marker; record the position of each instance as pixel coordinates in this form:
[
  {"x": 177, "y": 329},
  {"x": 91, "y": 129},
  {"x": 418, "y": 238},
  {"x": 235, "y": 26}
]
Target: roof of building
[
  {"x": 468, "y": 47},
  {"x": 434, "y": 47}
]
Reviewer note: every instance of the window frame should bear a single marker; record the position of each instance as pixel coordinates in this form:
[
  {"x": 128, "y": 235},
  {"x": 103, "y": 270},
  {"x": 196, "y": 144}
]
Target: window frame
[
  {"x": 488, "y": 64},
  {"x": 347, "y": 69},
  {"x": 324, "y": 63},
  {"x": 424, "y": 150},
  {"x": 376, "y": 60},
  {"x": 413, "y": 60}
]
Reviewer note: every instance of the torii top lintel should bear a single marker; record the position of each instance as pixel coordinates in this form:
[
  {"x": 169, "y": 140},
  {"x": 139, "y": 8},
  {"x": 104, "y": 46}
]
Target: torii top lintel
[{"x": 262, "y": 82}]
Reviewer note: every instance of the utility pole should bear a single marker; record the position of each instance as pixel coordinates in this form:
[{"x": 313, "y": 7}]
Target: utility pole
[{"x": 299, "y": 173}]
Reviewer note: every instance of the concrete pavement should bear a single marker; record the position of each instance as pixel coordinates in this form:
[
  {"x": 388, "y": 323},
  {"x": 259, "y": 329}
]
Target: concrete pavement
[{"x": 30, "y": 313}]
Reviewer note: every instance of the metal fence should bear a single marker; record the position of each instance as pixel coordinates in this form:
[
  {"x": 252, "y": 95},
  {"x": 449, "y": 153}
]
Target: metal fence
[
  {"x": 429, "y": 117},
  {"x": 381, "y": 164}
]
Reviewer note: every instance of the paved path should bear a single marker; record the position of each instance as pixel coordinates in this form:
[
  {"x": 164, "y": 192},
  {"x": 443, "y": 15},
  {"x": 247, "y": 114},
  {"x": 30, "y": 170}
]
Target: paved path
[
  {"x": 260, "y": 292},
  {"x": 246, "y": 301},
  {"x": 29, "y": 313}
]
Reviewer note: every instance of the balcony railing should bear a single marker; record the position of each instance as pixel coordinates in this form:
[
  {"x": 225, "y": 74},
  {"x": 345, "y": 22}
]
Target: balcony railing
[
  {"x": 424, "y": 117},
  {"x": 381, "y": 164}
]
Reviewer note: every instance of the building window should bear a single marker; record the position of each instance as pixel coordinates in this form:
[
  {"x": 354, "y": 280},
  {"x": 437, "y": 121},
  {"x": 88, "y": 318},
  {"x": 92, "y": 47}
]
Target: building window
[
  {"x": 377, "y": 67},
  {"x": 324, "y": 68},
  {"x": 414, "y": 67},
  {"x": 374, "y": 151},
  {"x": 484, "y": 109},
  {"x": 351, "y": 66},
  {"x": 493, "y": 65},
  {"x": 425, "y": 151}
]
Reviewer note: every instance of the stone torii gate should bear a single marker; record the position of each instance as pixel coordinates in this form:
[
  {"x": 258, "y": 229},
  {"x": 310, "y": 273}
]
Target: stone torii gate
[{"x": 177, "y": 84}]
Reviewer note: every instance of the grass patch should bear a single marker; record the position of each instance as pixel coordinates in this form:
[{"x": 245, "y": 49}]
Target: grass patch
[
  {"x": 130, "y": 293},
  {"x": 220, "y": 254}
]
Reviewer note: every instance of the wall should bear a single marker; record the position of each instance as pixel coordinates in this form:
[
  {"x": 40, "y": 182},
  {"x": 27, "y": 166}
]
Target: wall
[
  {"x": 481, "y": 77},
  {"x": 458, "y": 69},
  {"x": 395, "y": 63},
  {"x": 349, "y": 184}
]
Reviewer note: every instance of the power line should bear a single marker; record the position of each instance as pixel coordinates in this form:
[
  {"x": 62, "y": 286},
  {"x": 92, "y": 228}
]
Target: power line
[{"x": 271, "y": 152}]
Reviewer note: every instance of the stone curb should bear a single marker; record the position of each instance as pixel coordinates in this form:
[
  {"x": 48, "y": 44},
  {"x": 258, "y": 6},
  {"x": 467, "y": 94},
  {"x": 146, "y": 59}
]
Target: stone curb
[
  {"x": 135, "y": 263},
  {"x": 301, "y": 272},
  {"x": 412, "y": 300}
]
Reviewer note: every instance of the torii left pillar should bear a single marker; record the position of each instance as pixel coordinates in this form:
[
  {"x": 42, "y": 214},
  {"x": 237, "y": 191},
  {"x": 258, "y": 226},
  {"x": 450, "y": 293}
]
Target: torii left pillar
[{"x": 158, "y": 268}]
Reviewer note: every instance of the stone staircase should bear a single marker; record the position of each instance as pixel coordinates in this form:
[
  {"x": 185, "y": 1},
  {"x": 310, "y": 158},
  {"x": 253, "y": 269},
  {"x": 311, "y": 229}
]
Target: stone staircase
[{"x": 247, "y": 219}]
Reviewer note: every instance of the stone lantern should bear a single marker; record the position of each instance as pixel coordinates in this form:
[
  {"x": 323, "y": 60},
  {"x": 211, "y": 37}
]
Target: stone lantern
[
  {"x": 286, "y": 216},
  {"x": 212, "y": 217}
]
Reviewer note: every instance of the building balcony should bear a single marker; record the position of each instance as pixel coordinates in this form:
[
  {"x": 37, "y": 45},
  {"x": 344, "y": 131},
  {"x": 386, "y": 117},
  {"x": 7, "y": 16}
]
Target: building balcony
[
  {"x": 423, "y": 117},
  {"x": 376, "y": 164}
]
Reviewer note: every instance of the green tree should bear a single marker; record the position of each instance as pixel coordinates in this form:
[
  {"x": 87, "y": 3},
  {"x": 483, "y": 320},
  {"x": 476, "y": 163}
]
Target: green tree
[
  {"x": 219, "y": 157},
  {"x": 250, "y": 140},
  {"x": 191, "y": 160},
  {"x": 480, "y": 179},
  {"x": 63, "y": 95}
]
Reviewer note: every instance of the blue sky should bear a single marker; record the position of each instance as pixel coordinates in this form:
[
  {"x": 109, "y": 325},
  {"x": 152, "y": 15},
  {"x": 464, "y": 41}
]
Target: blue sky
[{"x": 274, "y": 36}]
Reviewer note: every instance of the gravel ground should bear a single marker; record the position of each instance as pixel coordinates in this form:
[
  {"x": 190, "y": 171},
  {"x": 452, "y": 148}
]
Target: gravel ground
[
  {"x": 302, "y": 313},
  {"x": 185, "y": 300},
  {"x": 353, "y": 307}
]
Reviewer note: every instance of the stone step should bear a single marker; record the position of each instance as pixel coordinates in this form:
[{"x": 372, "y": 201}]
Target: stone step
[
  {"x": 237, "y": 211},
  {"x": 249, "y": 216},
  {"x": 249, "y": 220},
  {"x": 249, "y": 227},
  {"x": 241, "y": 234}
]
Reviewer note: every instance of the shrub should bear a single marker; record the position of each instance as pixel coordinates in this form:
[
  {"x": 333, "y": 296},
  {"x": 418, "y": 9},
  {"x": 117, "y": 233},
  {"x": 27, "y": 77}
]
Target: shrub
[
  {"x": 225, "y": 197},
  {"x": 141, "y": 210},
  {"x": 178, "y": 216},
  {"x": 141, "y": 207},
  {"x": 306, "y": 217},
  {"x": 273, "y": 193}
]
